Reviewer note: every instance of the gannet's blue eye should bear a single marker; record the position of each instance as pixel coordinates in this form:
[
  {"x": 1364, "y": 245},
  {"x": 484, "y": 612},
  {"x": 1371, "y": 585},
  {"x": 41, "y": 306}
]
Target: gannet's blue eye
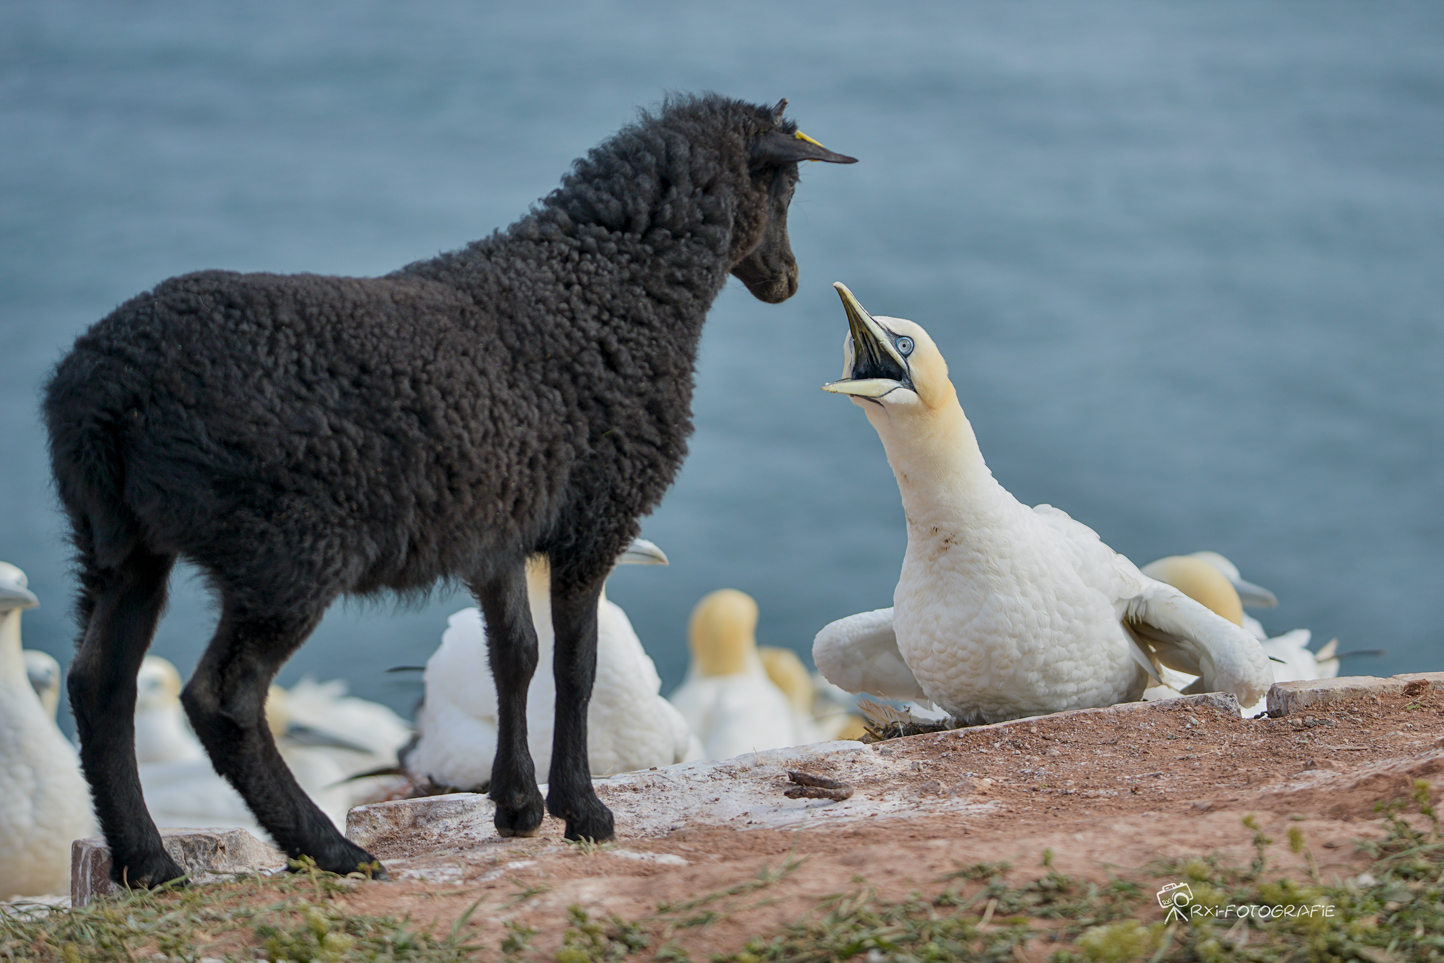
[{"x": 904, "y": 346}]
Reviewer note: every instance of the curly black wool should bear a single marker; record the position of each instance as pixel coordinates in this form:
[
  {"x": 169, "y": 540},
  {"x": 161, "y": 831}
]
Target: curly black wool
[{"x": 302, "y": 437}]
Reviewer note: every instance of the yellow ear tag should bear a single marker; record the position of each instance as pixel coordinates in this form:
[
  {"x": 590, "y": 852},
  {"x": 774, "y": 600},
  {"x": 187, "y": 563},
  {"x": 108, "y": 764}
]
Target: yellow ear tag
[{"x": 801, "y": 136}]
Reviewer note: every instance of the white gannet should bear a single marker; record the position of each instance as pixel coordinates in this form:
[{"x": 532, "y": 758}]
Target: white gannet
[
  {"x": 182, "y": 789},
  {"x": 329, "y": 739},
  {"x": 836, "y": 710},
  {"x": 1003, "y": 611},
  {"x": 788, "y": 673},
  {"x": 162, "y": 733},
  {"x": 727, "y": 699},
  {"x": 44, "y": 801},
  {"x": 43, "y": 671},
  {"x": 629, "y": 725},
  {"x": 1249, "y": 594},
  {"x": 1211, "y": 579}
]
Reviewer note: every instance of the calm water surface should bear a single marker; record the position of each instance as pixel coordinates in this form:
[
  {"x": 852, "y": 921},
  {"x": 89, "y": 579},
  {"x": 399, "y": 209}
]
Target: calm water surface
[{"x": 1186, "y": 263}]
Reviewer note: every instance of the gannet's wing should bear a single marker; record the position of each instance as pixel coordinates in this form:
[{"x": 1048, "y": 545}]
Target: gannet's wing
[
  {"x": 1186, "y": 636},
  {"x": 860, "y": 654}
]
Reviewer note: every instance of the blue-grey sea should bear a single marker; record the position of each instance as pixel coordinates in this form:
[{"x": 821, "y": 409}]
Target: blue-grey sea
[{"x": 1185, "y": 261}]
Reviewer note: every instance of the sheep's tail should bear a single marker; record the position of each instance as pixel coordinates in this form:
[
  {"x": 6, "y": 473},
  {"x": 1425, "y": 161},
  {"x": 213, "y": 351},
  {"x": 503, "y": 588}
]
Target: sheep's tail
[{"x": 84, "y": 412}]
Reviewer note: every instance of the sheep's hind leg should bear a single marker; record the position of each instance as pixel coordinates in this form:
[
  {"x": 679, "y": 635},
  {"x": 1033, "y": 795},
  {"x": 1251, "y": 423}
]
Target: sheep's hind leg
[
  {"x": 569, "y": 787},
  {"x": 512, "y": 652},
  {"x": 226, "y": 703},
  {"x": 124, "y": 605}
]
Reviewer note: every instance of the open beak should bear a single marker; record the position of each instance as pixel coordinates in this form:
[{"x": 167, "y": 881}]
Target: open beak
[
  {"x": 642, "y": 552},
  {"x": 877, "y": 367}
]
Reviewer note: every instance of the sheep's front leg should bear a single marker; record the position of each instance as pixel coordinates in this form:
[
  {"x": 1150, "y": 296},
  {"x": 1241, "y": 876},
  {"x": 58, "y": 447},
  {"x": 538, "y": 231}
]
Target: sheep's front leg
[
  {"x": 512, "y": 651},
  {"x": 569, "y": 791},
  {"x": 226, "y": 702}
]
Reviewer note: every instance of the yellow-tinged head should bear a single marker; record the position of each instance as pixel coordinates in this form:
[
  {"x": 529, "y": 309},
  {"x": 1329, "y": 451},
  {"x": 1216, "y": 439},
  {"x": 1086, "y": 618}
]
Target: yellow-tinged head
[
  {"x": 788, "y": 673},
  {"x": 723, "y": 632},
  {"x": 158, "y": 684},
  {"x": 278, "y": 714},
  {"x": 889, "y": 361},
  {"x": 1201, "y": 582}
]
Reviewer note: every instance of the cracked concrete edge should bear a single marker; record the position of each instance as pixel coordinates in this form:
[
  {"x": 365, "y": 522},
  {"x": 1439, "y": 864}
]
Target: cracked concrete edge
[
  {"x": 204, "y": 854},
  {"x": 405, "y": 828},
  {"x": 1285, "y": 698}
]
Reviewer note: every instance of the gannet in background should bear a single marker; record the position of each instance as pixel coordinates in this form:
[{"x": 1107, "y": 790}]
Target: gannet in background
[
  {"x": 836, "y": 710},
  {"x": 1249, "y": 594},
  {"x": 44, "y": 801},
  {"x": 43, "y": 671},
  {"x": 329, "y": 738},
  {"x": 629, "y": 725},
  {"x": 1001, "y": 610},
  {"x": 182, "y": 789},
  {"x": 787, "y": 672},
  {"x": 1213, "y": 580},
  {"x": 162, "y": 733},
  {"x": 727, "y": 699}
]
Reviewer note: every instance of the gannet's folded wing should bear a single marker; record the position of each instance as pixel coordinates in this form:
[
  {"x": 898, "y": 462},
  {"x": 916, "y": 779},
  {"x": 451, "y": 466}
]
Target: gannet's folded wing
[
  {"x": 1188, "y": 637},
  {"x": 860, "y": 654}
]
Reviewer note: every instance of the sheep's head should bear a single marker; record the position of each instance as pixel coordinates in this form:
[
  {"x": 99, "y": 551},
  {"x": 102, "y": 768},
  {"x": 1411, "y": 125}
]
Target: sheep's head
[{"x": 767, "y": 266}]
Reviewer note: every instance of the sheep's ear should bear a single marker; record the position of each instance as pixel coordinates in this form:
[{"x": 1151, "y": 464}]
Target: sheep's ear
[{"x": 775, "y": 149}]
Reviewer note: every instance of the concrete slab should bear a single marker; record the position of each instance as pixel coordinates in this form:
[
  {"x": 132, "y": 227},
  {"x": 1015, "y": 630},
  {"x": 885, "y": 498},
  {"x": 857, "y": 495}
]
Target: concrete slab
[
  {"x": 205, "y": 854},
  {"x": 1285, "y": 698},
  {"x": 748, "y": 791}
]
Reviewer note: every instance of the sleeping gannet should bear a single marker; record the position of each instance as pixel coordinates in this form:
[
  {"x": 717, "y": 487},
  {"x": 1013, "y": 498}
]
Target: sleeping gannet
[
  {"x": 1003, "y": 611},
  {"x": 727, "y": 699},
  {"x": 629, "y": 725},
  {"x": 44, "y": 801}
]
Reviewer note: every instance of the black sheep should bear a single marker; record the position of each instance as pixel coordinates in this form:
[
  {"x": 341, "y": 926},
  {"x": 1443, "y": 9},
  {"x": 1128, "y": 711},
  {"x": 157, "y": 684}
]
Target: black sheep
[{"x": 301, "y": 437}]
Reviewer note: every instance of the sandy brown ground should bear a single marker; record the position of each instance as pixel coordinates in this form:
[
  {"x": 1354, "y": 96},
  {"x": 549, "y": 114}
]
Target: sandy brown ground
[{"x": 1107, "y": 793}]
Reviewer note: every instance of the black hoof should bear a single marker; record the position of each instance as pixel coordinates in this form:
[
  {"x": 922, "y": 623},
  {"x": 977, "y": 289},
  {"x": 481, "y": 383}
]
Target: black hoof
[
  {"x": 524, "y": 818},
  {"x": 146, "y": 872},
  {"x": 343, "y": 857},
  {"x": 587, "y": 818}
]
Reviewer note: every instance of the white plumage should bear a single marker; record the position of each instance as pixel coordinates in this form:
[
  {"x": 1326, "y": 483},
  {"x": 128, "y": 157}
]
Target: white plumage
[
  {"x": 786, "y": 671},
  {"x": 1003, "y": 611},
  {"x": 44, "y": 801},
  {"x": 43, "y": 671},
  {"x": 324, "y": 735},
  {"x": 727, "y": 699},
  {"x": 1214, "y": 581},
  {"x": 629, "y": 725}
]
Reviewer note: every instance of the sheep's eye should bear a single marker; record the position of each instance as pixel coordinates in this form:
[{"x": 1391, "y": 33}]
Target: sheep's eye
[{"x": 904, "y": 346}]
